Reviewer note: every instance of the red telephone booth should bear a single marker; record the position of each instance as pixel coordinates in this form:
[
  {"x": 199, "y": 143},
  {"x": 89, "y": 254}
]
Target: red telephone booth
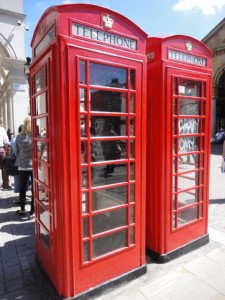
[
  {"x": 88, "y": 108},
  {"x": 178, "y": 141}
]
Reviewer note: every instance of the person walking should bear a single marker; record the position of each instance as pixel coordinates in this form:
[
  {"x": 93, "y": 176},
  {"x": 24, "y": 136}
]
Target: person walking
[
  {"x": 23, "y": 152},
  {"x": 4, "y": 142}
]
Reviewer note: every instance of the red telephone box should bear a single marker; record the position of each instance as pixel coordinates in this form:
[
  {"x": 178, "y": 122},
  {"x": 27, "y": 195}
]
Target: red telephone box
[
  {"x": 178, "y": 141},
  {"x": 88, "y": 108}
]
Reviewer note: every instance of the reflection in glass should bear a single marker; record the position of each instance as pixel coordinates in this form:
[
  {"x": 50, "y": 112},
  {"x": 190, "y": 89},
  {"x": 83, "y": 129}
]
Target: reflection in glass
[
  {"x": 108, "y": 101},
  {"x": 40, "y": 101},
  {"x": 101, "y": 223},
  {"x": 86, "y": 252},
  {"x": 82, "y": 71},
  {"x": 83, "y": 100},
  {"x": 188, "y": 180},
  {"x": 190, "y": 88},
  {"x": 43, "y": 173},
  {"x": 189, "y": 107},
  {"x": 40, "y": 126},
  {"x": 108, "y": 150},
  {"x": 187, "y": 215},
  {"x": 44, "y": 236},
  {"x": 188, "y": 144},
  {"x": 188, "y": 126},
  {"x": 44, "y": 217},
  {"x": 109, "y": 243},
  {"x": 39, "y": 80},
  {"x": 109, "y": 197},
  {"x": 108, "y": 126},
  {"x": 102, "y": 177},
  {"x": 84, "y": 203},
  {"x": 105, "y": 75},
  {"x": 175, "y": 108},
  {"x": 132, "y": 79},
  {"x": 175, "y": 86},
  {"x": 132, "y": 148},
  {"x": 85, "y": 227},
  {"x": 186, "y": 198}
]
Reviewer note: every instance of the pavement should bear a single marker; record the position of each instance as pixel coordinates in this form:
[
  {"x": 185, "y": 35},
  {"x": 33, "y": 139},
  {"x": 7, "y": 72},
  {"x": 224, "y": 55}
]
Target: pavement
[{"x": 199, "y": 274}]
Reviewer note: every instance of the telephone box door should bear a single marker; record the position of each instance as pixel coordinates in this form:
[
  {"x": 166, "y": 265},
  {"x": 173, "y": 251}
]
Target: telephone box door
[
  {"x": 108, "y": 118},
  {"x": 189, "y": 157}
]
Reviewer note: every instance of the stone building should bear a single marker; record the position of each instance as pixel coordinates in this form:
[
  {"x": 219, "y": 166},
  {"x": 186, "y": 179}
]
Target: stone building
[
  {"x": 215, "y": 40},
  {"x": 14, "y": 95}
]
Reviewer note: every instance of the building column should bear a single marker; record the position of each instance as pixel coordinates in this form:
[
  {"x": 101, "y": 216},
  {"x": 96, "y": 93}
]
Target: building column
[{"x": 10, "y": 112}]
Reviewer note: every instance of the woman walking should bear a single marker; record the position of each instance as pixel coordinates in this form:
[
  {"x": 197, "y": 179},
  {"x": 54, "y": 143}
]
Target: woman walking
[{"x": 23, "y": 151}]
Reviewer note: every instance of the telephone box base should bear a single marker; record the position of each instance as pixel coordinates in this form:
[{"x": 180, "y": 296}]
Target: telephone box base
[
  {"x": 49, "y": 289},
  {"x": 193, "y": 245}
]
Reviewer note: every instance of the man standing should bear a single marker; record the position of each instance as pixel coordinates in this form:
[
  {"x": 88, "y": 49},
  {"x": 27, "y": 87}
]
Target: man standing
[{"x": 4, "y": 141}]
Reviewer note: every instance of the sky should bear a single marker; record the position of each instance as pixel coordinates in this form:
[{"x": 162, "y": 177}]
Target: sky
[{"x": 195, "y": 18}]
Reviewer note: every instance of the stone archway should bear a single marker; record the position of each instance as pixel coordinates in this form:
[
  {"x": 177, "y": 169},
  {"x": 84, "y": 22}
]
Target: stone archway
[{"x": 219, "y": 92}]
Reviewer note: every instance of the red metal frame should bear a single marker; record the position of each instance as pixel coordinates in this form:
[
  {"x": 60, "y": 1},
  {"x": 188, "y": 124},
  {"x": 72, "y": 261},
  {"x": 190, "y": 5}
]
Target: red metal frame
[
  {"x": 71, "y": 265},
  {"x": 167, "y": 178}
]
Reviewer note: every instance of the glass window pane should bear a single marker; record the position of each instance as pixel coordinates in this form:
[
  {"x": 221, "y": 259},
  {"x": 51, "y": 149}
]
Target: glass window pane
[
  {"x": 83, "y": 129},
  {"x": 109, "y": 243},
  {"x": 42, "y": 150},
  {"x": 132, "y": 79},
  {"x": 44, "y": 217},
  {"x": 187, "y": 215},
  {"x": 83, "y": 93},
  {"x": 190, "y": 88},
  {"x": 132, "y": 171},
  {"x": 41, "y": 123},
  {"x": 132, "y": 216},
  {"x": 108, "y": 150},
  {"x": 83, "y": 152},
  {"x": 105, "y": 75},
  {"x": 188, "y": 162},
  {"x": 39, "y": 80},
  {"x": 186, "y": 198},
  {"x": 84, "y": 203},
  {"x": 44, "y": 236},
  {"x": 86, "y": 252},
  {"x": 84, "y": 178},
  {"x": 85, "y": 227},
  {"x": 188, "y": 126},
  {"x": 108, "y": 101},
  {"x": 40, "y": 101},
  {"x": 109, "y": 220},
  {"x": 132, "y": 103},
  {"x": 132, "y": 126},
  {"x": 132, "y": 195},
  {"x": 42, "y": 194},
  {"x": 188, "y": 180},
  {"x": 188, "y": 144},
  {"x": 108, "y": 126},
  {"x": 109, "y": 174},
  {"x": 175, "y": 106},
  {"x": 82, "y": 72},
  {"x": 189, "y": 107},
  {"x": 132, "y": 236},
  {"x": 109, "y": 197}
]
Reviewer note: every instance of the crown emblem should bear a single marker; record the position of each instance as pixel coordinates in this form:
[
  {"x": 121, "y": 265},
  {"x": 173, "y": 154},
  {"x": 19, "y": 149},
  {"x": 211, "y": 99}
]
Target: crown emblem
[
  {"x": 108, "y": 22},
  {"x": 189, "y": 46}
]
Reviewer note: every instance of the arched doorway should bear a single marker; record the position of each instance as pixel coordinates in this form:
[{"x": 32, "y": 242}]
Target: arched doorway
[{"x": 220, "y": 101}]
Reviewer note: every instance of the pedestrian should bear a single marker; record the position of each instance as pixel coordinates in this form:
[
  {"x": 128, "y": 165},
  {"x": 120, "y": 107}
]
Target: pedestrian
[
  {"x": 4, "y": 143},
  {"x": 9, "y": 133},
  {"x": 23, "y": 152}
]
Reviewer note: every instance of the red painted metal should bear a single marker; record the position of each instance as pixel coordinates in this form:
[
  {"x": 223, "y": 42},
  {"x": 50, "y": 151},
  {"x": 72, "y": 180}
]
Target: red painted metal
[
  {"x": 177, "y": 173},
  {"x": 74, "y": 49}
]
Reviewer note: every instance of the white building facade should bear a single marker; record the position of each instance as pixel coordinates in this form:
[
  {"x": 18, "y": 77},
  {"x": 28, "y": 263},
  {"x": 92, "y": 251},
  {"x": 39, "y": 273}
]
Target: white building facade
[{"x": 14, "y": 89}]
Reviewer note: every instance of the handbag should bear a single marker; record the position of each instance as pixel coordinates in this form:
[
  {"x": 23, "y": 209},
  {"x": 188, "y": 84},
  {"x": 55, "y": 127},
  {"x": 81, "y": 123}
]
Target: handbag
[
  {"x": 9, "y": 166},
  {"x": 223, "y": 165}
]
